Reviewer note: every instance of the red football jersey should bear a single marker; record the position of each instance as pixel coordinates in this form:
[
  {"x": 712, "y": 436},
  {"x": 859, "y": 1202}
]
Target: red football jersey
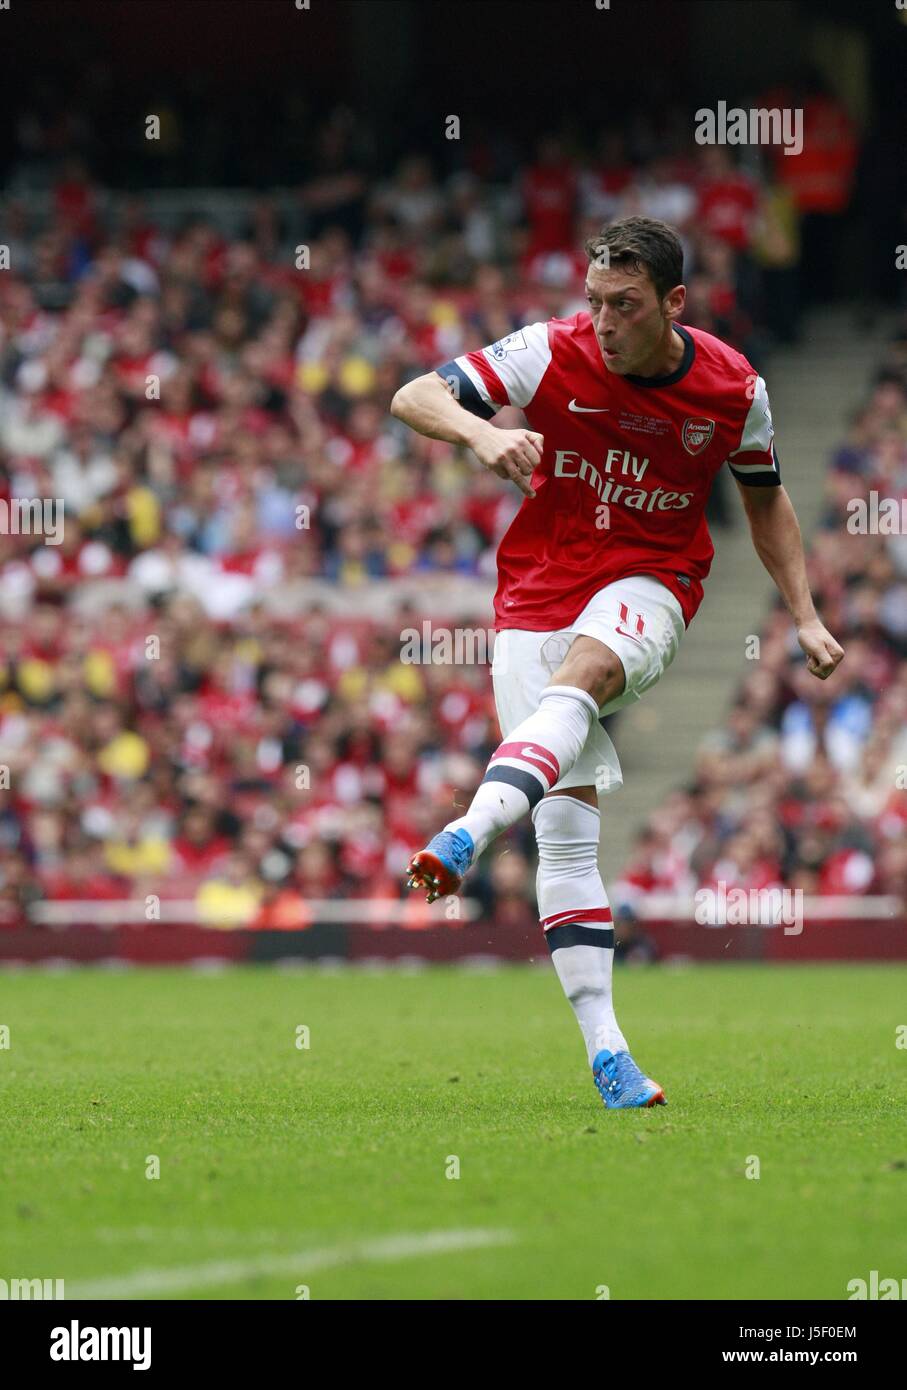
[{"x": 627, "y": 465}]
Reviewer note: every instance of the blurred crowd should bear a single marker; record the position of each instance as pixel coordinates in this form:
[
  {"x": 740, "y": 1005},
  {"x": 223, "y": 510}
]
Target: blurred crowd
[{"x": 210, "y": 404}]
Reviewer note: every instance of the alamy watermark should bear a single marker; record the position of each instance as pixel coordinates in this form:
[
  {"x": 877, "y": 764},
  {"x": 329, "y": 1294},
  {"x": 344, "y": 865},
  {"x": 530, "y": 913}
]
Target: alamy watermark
[
  {"x": 446, "y": 646},
  {"x": 877, "y": 516},
  {"x": 78, "y": 1343},
  {"x": 750, "y": 907},
  {"x": 19, "y": 1290},
  {"x": 759, "y": 126},
  {"x": 33, "y": 516},
  {"x": 875, "y": 1288}
]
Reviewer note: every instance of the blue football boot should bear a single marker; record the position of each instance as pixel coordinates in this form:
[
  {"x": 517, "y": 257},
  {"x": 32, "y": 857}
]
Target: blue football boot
[
  {"x": 622, "y": 1085},
  {"x": 440, "y": 867}
]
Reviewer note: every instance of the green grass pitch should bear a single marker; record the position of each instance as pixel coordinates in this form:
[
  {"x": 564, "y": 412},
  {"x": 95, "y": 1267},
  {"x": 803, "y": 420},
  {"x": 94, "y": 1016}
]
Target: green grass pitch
[{"x": 283, "y": 1166}]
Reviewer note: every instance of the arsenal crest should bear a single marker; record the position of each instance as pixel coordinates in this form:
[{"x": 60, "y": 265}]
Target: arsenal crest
[{"x": 696, "y": 434}]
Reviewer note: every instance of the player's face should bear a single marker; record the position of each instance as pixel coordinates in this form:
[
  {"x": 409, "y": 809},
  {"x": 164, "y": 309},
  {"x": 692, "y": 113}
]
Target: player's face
[{"x": 629, "y": 318}]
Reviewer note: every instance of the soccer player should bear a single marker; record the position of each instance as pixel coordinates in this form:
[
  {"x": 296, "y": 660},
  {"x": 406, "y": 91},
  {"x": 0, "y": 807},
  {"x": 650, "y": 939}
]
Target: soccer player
[{"x": 631, "y": 415}]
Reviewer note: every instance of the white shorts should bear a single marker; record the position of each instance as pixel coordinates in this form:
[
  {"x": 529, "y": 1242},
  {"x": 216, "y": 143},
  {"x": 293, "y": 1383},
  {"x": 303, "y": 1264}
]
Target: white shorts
[{"x": 638, "y": 618}]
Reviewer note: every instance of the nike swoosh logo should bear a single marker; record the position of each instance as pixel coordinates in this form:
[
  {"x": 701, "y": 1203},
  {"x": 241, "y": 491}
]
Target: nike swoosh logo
[
  {"x": 588, "y": 409},
  {"x": 540, "y": 757}
]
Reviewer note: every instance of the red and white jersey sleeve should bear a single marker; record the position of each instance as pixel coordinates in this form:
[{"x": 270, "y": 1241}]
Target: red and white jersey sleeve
[
  {"x": 507, "y": 372},
  {"x": 755, "y": 462}
]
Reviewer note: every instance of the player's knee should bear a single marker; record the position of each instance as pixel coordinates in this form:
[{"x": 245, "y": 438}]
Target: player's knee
[
  {"x": 594, "y": 668},
  {"x": 606, "y": 675}
]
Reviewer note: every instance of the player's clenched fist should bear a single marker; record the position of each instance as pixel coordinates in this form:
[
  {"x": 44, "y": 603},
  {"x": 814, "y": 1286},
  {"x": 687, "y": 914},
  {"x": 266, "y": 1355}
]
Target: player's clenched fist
[
  {"x": 823, "y": 653},
  {"x": 513, "y": 454}
]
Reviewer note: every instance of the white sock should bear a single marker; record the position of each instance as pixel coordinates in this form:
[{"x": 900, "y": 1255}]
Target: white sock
[
  {"x": 536, "y": 755},
  {"x": 576, "y": 918}
]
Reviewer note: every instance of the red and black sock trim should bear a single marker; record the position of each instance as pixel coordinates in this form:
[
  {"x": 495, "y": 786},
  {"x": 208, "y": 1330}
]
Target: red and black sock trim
[
  {"x": 575, "y": 929},
  {"x": 535, "y": 779}
]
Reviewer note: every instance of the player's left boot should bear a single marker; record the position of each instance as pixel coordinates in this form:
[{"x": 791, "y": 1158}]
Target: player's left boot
[
  {"x": 622, "y": 1085},
  {"x": 441, "y": 865}
]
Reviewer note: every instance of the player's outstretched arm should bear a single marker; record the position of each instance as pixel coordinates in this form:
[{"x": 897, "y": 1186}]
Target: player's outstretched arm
[
  {"x": 428, "y": 406},
  {"x": 779, "y": 545}
]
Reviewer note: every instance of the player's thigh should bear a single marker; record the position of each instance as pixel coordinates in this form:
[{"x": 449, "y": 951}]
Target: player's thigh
[{"x": 641, "y": 621}]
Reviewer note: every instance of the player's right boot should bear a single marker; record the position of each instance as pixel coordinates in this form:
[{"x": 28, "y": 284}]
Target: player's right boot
[
  {"x": 441, "y": 866},
  {"x": 622, "y": 1085}
]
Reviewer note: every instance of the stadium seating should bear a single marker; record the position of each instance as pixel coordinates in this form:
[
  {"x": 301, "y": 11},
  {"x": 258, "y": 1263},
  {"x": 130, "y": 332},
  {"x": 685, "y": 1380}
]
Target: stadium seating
[{"x": 201, "y": 692}]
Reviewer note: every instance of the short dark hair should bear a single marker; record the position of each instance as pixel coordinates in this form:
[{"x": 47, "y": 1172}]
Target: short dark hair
[{"x": 641, "y": 243}]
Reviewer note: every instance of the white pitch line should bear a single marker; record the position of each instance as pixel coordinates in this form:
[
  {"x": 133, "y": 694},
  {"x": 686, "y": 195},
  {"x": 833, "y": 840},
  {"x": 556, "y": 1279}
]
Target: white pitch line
[{"x": 148, "y": 1282}]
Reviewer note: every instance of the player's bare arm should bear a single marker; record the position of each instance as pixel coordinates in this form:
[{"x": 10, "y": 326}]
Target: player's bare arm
[
  {"x": 779, "y": 545},
  {"x": 429, "y": 407}
]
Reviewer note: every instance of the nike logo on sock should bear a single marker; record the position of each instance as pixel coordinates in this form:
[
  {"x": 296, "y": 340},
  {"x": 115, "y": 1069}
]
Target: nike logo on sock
[
  {"x": 543, "y": 763},
  {"x": 534, "y": 753}
]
